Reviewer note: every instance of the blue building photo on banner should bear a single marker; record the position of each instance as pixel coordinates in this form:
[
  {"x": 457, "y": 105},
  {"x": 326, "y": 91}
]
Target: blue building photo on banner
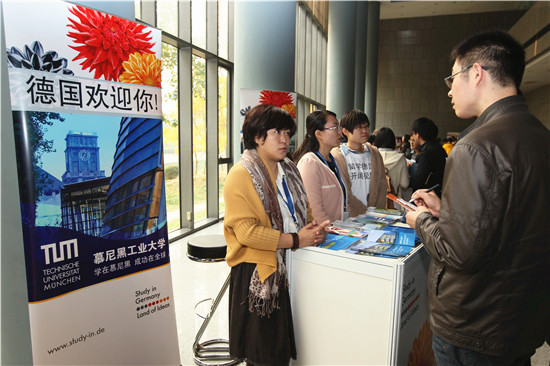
[
  {"x": 96, "y": 175},
  {"x": 95, "y": 178}
]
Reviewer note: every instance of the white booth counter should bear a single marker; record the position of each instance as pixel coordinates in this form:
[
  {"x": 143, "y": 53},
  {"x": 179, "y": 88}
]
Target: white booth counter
[{"x": 350, "y": 309}]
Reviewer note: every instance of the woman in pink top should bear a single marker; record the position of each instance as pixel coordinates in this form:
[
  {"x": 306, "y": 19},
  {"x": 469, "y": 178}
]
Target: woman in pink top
[{"x": 324, "y": 186}]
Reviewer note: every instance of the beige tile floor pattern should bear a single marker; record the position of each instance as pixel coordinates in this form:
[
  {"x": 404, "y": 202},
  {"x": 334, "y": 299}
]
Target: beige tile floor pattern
[{"x": 194, "y": 281}]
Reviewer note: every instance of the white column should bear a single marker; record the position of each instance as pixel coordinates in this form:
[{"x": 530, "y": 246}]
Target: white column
[{"x": 265, "y": 37}]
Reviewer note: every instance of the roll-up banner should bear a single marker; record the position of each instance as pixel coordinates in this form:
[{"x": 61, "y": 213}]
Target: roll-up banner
[{"x": 86, "y": 99}]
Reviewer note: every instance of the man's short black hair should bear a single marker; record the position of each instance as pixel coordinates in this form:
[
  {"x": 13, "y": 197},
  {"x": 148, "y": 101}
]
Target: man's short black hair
[
  {"x": 498, "y": 51},
  {"x": 354, "y": 118},
  {"x": 263, "y": 118},
  {"x": 426, "y": 128}
]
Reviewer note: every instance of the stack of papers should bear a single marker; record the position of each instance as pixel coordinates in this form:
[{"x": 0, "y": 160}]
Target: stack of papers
[
  {"x": 392, "y": 241},
  {"x": 377, "y": 232},
  {"x": 338, "y": 242}
]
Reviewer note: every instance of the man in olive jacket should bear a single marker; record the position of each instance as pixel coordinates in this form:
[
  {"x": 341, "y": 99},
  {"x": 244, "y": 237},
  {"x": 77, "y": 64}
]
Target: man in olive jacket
[{"x": 488, "y": 236}]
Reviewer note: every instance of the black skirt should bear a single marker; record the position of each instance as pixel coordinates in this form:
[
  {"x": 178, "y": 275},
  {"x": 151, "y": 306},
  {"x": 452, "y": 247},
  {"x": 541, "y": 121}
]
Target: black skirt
[{"x": 266, "y": 340}]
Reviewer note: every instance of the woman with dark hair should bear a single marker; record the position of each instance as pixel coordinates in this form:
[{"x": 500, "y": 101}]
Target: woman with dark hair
[
  {"x": 266, "y": 212},
  {"x": 324, "y": 186},
  {"x": 394, "y": 161},
  {"x": 406, "y": 147}
]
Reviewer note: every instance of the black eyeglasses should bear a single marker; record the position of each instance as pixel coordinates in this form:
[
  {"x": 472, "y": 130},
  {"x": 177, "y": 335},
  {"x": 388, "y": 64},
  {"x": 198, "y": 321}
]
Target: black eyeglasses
[{"x": 449, "y": 79}]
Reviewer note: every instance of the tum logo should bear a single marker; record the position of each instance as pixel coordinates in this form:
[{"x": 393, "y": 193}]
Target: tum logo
[{"x": 68, "y": 246}]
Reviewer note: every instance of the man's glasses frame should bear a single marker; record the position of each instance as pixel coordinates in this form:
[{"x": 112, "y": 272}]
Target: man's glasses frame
[
  {"x": 364, "y": 126},
  {"x": 449, "y": 79}
]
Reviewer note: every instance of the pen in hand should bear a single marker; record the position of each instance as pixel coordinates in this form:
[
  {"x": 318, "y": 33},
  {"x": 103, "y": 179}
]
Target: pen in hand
[
  {"x": 427, "y": 191},
  {"x": 432, "y": 188}
]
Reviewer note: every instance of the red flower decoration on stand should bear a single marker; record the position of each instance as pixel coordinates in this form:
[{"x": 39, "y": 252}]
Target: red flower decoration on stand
[
  {"x": 106, "y": 41},
  {"x": 279, "y": 99},
  {"x": 276, "y": 98}
]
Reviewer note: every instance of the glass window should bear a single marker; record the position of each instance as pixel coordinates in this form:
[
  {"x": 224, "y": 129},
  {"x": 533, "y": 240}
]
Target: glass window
[
  {"x": 137, "y": 8},
  {"x": 167, "y": 16},
  {"x": 223, "y": 28},
  {"x": 224, "y": 135},
  {"x": 194, "y": 98},
  {"x": 170, "y": 130},
  {"x": 311, "y": 49},
  {"x": 199, "y": 137},
  {"x": 223, "y": 169},
  {"x": 198, "y": 23},
  {"x": 223, "y": 112}
]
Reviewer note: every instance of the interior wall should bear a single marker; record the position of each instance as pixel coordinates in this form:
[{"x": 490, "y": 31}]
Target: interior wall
[
  {"x": 413, "y": 59},
  {"x": 538, "y": 101}
]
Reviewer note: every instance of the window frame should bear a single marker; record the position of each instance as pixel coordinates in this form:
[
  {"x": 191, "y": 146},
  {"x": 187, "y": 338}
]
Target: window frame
[{"x": 185, "y": 51}]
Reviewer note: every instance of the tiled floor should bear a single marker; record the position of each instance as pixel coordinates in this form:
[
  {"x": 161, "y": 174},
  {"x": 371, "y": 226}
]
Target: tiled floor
[{"x": 193, "y": 282}]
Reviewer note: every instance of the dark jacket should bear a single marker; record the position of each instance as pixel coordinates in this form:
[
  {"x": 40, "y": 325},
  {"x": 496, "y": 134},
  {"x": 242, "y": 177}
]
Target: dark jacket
[
  {"x": 430, "y": 166},
  {"x": 489, "y": 278}
]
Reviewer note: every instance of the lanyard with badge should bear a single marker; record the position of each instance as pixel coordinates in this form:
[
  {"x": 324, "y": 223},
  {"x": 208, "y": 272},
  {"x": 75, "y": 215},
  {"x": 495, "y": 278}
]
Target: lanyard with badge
[
  {"x": 288, "y": 200},
  {"x": 337, "y": 173}
]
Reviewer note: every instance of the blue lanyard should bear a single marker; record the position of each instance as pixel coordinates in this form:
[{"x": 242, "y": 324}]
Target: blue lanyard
[
  {"x": 288, "y": 200},
  {"x": 337, "y": 172}
]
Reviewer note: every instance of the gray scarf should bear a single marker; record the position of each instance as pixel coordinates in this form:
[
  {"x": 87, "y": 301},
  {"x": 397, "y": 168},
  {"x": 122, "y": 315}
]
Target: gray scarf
[{"x": 264, "y": 297}]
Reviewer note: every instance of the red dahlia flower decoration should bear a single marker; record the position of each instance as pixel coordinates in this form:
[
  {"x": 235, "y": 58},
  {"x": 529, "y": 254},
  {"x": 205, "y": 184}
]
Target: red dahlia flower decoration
[
  {"x": 278, "y": 99},
  {"x": 106, "y": 41}
]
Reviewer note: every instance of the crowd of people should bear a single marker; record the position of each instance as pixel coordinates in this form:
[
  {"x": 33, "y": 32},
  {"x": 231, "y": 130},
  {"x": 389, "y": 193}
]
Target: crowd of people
[{"x": 485, "y": 225}]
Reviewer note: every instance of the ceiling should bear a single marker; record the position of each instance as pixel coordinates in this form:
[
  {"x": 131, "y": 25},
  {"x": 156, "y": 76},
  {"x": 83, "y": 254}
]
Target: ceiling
[
  {"x": 537, "y": 71},
  {"x": 413, "y": 9}
]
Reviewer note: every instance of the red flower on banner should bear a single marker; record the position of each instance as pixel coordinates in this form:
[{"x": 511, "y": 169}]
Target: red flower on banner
[
  {"x": 105, "y": 41},
  {"x": 141, "y": 68},
  {"x": 278, "y": 99}
]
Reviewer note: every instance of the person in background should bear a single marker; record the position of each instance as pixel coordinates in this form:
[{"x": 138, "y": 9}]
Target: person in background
[
  {"x": 489, "y": 277},
  {"x": 448, "y": 144},
  {"x": 266, "y": 212},
  {"x": 430, "y": 162},
  {"x": 372, "y": 140},
  {"x": 321, "y": 175},
  {"x": 398, "y": 143},
  {"x": 406, "y": 148},
  {"x": 394, "y": 161},
  {"x": 361, "y": 165}
]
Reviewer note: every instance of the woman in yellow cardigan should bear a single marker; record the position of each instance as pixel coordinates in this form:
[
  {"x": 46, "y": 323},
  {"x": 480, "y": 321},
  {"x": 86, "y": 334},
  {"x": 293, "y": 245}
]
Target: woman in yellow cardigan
[{"x": 266, "y": 212}]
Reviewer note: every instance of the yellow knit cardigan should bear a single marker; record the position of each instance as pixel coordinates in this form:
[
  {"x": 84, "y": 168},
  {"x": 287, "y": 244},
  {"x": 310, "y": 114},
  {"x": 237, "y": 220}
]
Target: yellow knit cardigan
[{"x": 247, "y": 228}]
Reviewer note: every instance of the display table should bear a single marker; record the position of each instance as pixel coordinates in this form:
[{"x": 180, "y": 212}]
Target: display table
[{"x": 350, "y": 309}]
